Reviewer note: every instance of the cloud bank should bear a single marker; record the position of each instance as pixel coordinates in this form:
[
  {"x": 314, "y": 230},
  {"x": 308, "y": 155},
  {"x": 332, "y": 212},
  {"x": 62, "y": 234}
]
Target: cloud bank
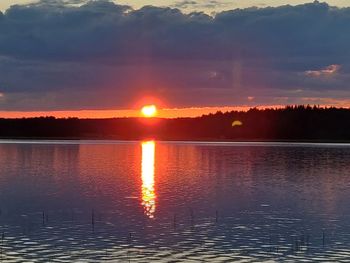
[{"x": 60, "y": 55}]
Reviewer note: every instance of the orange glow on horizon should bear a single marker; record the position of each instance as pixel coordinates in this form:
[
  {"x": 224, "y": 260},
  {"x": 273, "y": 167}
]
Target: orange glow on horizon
[
  {"x": 116, "y": 113},
  {"x": 149, "y": 111},
  {"x": 147, "y": 176},
  {"x": 161, "y": 113}
]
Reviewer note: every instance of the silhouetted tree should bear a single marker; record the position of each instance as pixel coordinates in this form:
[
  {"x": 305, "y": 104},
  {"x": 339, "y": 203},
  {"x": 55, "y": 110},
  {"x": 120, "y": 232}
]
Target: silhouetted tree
[{"x": 296, "y": 122}]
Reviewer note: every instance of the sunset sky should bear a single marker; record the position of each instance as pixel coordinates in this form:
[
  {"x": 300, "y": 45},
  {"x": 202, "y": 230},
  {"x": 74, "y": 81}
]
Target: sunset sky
[
  {"x": 102, "y": 59},
  {"x": 208, "y": 6}
]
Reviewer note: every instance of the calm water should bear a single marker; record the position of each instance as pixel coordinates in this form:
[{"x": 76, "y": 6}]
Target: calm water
[{"x": 174, "y": 202}]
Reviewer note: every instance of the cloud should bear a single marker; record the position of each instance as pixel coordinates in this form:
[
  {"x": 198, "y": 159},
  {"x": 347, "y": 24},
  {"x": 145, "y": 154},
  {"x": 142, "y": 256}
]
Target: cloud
[
  {"x": 200, "y": 5},
  {"x": 331, "y": 70},
  {"x": 185, "y": 4},
  {"x": 96, "y": 54}
]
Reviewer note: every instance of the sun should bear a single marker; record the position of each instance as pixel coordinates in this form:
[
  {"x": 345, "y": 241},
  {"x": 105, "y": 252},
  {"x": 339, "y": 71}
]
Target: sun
[{"x": 149, "y": 111}]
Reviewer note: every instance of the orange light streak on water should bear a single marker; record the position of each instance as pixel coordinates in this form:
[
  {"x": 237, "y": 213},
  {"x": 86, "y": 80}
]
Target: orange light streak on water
[{"x": 147, "y": 175}]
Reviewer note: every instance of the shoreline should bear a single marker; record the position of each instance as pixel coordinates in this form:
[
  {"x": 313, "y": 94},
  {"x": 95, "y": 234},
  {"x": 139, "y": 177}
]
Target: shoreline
[{"x": 183, "y": 141}]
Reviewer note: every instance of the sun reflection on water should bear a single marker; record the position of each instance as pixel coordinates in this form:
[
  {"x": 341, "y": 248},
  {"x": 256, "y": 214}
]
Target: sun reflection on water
[{"x": 147, "y": 174}]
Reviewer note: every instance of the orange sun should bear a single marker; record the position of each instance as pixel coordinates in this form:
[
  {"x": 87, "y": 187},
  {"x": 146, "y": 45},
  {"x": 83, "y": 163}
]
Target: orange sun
[{"x": 149, "y": 111}]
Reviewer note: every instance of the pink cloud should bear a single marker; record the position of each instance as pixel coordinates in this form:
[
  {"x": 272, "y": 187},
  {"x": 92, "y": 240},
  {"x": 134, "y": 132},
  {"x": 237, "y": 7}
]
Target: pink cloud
[{"x": 326, "y": 72}]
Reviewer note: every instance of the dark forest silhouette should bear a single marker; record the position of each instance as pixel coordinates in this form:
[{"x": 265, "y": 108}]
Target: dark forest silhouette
[{"x": 292, "y": 123}]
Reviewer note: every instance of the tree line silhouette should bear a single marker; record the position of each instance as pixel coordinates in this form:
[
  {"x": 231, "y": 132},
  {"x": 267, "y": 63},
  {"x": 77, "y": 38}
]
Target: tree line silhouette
[{"x": 292, "y": 123}]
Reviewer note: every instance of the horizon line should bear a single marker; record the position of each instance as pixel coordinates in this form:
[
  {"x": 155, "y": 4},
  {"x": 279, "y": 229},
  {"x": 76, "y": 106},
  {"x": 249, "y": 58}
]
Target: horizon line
[{"x": 163, "y": 113}]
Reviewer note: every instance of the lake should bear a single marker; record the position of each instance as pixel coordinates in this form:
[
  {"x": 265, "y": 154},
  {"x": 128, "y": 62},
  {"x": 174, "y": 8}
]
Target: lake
[{"x": 111, "y": 201}]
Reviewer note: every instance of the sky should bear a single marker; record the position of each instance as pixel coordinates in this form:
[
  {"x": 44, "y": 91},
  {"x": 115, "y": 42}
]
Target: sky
[
  {"x": 100, "y": 58},
  {"x": 208, "y": 6}
]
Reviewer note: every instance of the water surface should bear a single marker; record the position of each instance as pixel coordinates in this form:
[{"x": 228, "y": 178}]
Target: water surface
[{"x": 93, "y": 201}]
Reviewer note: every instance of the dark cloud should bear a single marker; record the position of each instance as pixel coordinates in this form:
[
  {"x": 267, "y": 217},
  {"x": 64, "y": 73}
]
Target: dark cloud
[{"x": 78, "y": 55}]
